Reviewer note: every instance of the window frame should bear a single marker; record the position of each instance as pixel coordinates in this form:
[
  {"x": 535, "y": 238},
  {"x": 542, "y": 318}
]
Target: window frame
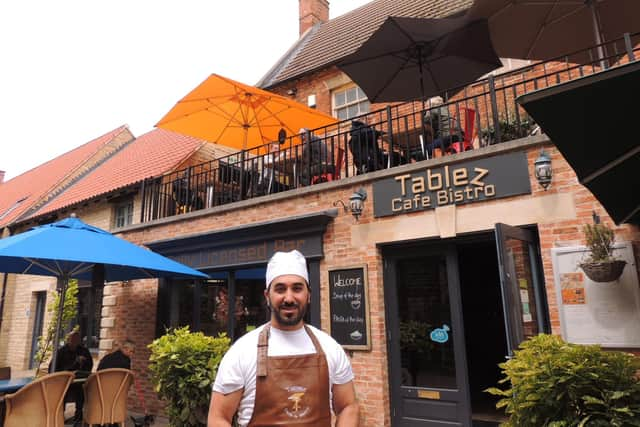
[
  {"x": 127, "y": 216},
  {"x": 345, "y": 106}
]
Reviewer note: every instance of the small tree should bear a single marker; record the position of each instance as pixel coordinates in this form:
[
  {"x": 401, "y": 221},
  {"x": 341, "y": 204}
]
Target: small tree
[
  {"x": 69, "y": 313},
  {"x": 183, "y": 367},
  {"x": 601, "y": 265},
  {"x": 557, "y": 384},
  {"x": 600, "y": 239}
]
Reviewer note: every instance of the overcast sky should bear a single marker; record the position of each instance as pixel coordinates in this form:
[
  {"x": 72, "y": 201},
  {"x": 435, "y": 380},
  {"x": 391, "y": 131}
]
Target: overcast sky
[{"x": 73, "y": 70}]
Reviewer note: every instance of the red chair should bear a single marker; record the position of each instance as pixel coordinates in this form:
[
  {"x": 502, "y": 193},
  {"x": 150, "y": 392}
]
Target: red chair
[
  {"x": 469, "y": 129},
  {"x": 333, "y": 171}
]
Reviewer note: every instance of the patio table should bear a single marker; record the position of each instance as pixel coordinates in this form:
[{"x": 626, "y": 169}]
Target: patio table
[{"x": 14, "y": 384}]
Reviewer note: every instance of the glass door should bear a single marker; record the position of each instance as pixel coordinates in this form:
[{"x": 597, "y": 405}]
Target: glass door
[
  {"x": 521, "y": 285},
  {"x": 426, "y": 345}
]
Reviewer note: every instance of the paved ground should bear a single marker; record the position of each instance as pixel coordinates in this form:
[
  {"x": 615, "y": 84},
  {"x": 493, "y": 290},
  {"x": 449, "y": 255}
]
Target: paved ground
[
  {"x": 159, "y": 422},
  {"x": 70, "y": 407}
]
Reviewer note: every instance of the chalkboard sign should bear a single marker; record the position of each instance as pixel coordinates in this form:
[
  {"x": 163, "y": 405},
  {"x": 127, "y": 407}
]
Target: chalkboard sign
[{"x": 349, "y": 307}]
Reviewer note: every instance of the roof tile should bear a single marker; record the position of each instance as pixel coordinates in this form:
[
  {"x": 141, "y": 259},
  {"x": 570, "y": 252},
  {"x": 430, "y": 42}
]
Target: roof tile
[
  {"x": 154, "y": 153},
  {"x": 341, "y": 36},
  {"x": 33, "y": 185}
]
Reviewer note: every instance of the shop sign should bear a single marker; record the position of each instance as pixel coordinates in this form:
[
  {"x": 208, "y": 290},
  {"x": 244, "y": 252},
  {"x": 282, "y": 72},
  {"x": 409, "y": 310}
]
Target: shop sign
[
  {"x": 249, "y": 253},
  {"x": 349, "y": 307},
  {"x": 467, "y": 182}
]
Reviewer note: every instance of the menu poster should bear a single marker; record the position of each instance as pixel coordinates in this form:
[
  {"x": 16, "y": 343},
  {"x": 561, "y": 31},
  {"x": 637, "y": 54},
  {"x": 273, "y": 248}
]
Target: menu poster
[
  {"x": 597, "y": 313},
  {"x": 349, "y": 308}
]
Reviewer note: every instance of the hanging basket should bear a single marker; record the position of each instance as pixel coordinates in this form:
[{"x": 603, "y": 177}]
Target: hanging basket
[{"x": 607, "y": 271}]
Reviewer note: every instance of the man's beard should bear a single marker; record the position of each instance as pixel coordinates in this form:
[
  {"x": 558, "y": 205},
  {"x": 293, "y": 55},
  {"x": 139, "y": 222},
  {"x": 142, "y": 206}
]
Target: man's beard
[{"x": 289, "y": 321}]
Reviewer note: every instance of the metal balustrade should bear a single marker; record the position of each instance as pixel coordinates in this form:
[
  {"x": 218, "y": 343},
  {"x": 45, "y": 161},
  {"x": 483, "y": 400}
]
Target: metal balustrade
[{"x": 482, "y": 113}]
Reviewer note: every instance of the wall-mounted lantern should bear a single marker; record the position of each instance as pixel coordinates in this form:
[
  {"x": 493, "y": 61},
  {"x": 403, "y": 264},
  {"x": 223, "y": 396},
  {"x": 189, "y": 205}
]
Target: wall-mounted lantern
[
  {"x": 356, "y": 203},
  {"x": 543, "y": 169}
]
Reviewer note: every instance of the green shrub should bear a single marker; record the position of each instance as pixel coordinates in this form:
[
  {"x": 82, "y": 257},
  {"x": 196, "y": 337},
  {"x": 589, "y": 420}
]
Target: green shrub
[
  {"x": 509, "y": 130},
  {"x": 183, "y": 367},
  {"x": 600, "y": 239},
  {"x": 69, "y": 313},
  {"x": 557, "y": 384}
]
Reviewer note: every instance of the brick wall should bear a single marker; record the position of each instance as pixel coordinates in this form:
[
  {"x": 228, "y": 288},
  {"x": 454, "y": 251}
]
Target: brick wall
[
  {"x": 129, "y": 308},
  {"x": 342, "y": 248}
]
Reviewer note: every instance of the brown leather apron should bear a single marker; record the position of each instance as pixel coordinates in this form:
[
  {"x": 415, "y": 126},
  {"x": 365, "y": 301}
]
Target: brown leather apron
[{"x": 291, "y": 390}]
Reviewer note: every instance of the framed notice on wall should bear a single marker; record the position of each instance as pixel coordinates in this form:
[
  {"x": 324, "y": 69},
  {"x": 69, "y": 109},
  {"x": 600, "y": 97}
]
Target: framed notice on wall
[
  {"x": 349, "y": 307},
  {"x": 597, "y": 313}
]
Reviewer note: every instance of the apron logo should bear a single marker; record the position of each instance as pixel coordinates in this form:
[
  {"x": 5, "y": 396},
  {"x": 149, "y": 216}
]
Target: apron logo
[{"x": 297, "y": 410}]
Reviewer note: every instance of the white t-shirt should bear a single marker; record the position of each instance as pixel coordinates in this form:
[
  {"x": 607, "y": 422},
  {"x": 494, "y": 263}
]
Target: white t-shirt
[{"x": 237, "y": 369}]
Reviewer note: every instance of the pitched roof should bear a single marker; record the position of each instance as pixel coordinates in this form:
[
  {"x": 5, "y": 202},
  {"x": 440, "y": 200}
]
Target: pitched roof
[
  {"x": 326, "y": 43},
  {"x": 21, "y": 193},
  {"x": 154, "y": 153}
]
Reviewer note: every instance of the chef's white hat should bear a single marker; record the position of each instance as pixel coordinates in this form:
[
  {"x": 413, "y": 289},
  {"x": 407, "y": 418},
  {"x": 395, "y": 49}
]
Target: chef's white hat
[{"x": 282, "y": 263}]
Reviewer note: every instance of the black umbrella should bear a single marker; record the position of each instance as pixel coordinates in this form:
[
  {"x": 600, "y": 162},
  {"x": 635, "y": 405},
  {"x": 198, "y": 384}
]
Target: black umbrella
[
  {"x": 592, "y": 122},
  {"x": 414, "y": 58},
  {"x": 543, "y": 29}
]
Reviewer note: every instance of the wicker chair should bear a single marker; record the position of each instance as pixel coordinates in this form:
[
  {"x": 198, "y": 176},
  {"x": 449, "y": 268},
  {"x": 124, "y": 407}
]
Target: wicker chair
[
  {"x": 106, "y": 396},
  {"x": 39, "y": 403}
]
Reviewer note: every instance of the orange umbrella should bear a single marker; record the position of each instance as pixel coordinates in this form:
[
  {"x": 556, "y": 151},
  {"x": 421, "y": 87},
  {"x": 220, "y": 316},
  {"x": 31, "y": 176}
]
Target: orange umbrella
[{"x": 230, "y": 113}]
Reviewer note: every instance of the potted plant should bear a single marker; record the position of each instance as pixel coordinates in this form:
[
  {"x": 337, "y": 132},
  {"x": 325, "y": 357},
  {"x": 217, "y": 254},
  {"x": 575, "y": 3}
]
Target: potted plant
[
  {"x": 183, "y": 366},
  {"x": 601, "y": 265},
  {"x": 550, "y": 382}
]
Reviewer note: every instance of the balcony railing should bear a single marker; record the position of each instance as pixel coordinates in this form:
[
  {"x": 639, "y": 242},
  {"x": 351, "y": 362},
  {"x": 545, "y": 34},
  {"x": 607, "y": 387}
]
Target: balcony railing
[{"x": 480, "y": 114}]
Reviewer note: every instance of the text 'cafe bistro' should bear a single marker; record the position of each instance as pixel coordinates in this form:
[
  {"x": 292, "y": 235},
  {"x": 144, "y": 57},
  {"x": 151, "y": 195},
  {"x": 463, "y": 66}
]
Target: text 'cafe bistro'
[{"x": 442, "y": 276}]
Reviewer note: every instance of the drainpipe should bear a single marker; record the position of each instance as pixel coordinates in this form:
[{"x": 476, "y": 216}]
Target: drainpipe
[{"x": 4, "y": 291}]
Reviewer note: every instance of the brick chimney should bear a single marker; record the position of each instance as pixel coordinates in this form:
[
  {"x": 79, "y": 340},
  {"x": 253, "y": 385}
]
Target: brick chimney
[
  {"x": 1, "y": 177},
  {"x": 312, "y": 12}
]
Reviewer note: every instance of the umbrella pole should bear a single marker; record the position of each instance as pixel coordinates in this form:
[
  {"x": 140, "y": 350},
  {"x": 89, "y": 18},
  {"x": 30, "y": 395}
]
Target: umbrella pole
[
  {"x": 597, "y": 35},
  {"x": 421, "y": 82},
  {"x": 63, "y": 284}
]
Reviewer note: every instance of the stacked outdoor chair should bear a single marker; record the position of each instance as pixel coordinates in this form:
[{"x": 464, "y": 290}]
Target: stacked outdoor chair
[
  {"x": 39, "y": 403},
  {"x": 106, "y": 396}
]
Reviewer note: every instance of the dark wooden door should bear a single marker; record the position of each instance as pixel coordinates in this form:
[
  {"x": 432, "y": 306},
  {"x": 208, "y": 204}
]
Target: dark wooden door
[{"x": 428, "y": 372}]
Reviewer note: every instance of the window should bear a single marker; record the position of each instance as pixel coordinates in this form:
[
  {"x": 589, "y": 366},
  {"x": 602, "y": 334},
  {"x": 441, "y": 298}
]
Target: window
[
  {"x": 206, "y": 305},
  {"x": 89, "y": 313},
  {"x": 123, "y": 214},
  {"x": 349, "y": 102}
]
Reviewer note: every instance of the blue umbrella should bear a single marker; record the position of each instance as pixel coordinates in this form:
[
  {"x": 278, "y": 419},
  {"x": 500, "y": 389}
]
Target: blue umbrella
[{"x": 71, "y": 249}]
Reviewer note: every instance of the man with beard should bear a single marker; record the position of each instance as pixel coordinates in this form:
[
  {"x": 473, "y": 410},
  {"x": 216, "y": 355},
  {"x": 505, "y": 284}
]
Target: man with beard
[
  {"x": 285, "y": 372},
  {"x": 73, "y": 356}
]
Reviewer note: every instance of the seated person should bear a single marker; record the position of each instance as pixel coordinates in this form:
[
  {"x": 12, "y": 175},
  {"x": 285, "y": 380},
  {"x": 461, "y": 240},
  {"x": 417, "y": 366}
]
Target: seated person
[
  {"x": 363, "y": 144},
  {"x": 272, "y": 180},
  {"x": 73, "y": 356},
  {"x": 438, "y": 126},
  {"x": 184, "y": 195},
  {"x": 317, "y": 159},
  {"x": 120, "y": 358}
]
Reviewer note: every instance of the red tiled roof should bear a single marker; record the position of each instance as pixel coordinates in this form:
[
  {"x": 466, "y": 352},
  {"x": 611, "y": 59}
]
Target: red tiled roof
[
  {"x": 327, "y": 43},
  {"x": 33, "y": 185},
  {"x": 152, "y": 154}
]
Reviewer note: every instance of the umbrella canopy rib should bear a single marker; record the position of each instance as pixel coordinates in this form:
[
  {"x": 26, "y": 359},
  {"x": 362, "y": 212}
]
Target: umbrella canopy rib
[
  {"x": 537, "y": 30},
  {"x": 416, "y": 58},
  {"x": 70, "y": 249},
  {"x": 230, "y": 113}
]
